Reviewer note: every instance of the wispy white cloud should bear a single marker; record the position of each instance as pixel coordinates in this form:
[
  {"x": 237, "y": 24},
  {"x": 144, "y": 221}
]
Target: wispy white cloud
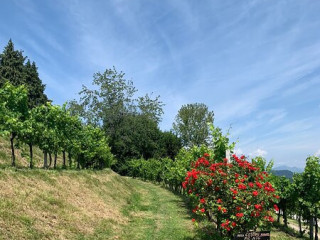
[{"x": 258, "y": 153}]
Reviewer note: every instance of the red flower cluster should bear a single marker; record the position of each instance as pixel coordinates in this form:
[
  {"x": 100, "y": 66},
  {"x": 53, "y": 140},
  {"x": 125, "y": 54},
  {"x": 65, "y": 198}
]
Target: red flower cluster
[{"x": 231, "y": 190}]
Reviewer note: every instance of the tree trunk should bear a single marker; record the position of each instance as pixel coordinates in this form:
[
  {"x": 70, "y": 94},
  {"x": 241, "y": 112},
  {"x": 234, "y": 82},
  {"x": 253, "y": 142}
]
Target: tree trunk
[
  {"x": 55, "y": 161},
  {"x": 50, "y": 159},
  {"x": 285, "y": 219},
  {"x": 311, "y": 228},
  {"x": 78, "y": 163},
  {"x": 70, "y": 160},
  {"x": 31, "y": 155},
  {"x": 316, "y": 231},
  {"x": 12, "y": 136},
  {"x": 64, "y": 159},
  {"x": 300, "y": 228},
  {"x": 45, "y": 160},
  {"x": 278, "y": 220}
]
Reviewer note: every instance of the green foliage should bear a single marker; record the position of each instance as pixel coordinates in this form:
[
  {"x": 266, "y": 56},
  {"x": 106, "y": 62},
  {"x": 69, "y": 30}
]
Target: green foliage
[
  {"x": 137, "y": 136},
  {"x": 53, "y": 129},
  {"x": 94, "y": 149},
  {"x": 152, "y": 108},
  {"x": 131, "y": 124},
  {"x": 174, "y": 172},
  {"x": 191, "y": 124},
  {"x": 13, "y": 111},
  {"x": 169, "y": 144},
  {"x": 262, "y": 163},
  {"x": 151, "y": 169},
  {"x": 36, "y": 95},
  {"x": 219, "y": 142},
  {"x": 13, "y": 107},
  {"x": 13, "y": 69},
  {"x": 12, "y": 66}
]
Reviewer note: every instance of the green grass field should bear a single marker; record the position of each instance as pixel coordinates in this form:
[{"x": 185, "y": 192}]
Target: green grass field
[
  {"x": 86, "y": 204},
  {"x": 39, "y": 204}
]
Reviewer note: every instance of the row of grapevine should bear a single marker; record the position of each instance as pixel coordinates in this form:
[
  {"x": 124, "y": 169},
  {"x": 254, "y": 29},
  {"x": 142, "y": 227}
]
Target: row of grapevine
[
  {"x": 53, "y": 129},
  {"x": 300, "y": 198}
]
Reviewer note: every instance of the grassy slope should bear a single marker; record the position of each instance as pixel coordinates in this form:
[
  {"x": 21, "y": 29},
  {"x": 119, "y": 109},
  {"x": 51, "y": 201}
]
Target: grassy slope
[
  {"x": 69, "y": 204},
  {"x": 38, "y": 204},
  {"x": 22, "y": 155},
  {"x": 42, "y": 204}
]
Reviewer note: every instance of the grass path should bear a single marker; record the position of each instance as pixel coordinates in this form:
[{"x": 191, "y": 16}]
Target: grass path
[{"x": 155, "y": 213}]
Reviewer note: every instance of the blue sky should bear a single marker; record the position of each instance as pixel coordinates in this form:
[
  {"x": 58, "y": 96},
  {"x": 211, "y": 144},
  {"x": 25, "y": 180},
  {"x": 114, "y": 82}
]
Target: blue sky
[{"x": 256, "y": 64}]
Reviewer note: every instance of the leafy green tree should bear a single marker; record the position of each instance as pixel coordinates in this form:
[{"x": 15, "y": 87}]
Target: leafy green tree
[
  {"x": 261, "y": 162},
  {"x": 169, "y": 144},
  {"x": 191, "y": 124},
  {"x": 298, "y": 193},
  {"x": 152, "y": 108},
  {"x": 45, "y": 130},
  {"x": 282, "y": 184},
  {"x": 12, "y": 66},
  {"x": 311, "y": 186},
  {"x": 36, "y": 95},
  {"x": 94, "y": 151},
  {"x": 13, "y": 111},
  {"x": 108, "y": 102},
  {"x": 219, "y": 142},
  {"x": 129, "y": 123},
  {"x": 28, "y": 135},
  {"x": 137, "y": 136}
]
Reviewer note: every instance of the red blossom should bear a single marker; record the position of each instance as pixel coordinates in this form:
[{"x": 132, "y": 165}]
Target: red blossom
[
  {"x": 258, "y": 207},
  {"x": 239, "y": 215}
]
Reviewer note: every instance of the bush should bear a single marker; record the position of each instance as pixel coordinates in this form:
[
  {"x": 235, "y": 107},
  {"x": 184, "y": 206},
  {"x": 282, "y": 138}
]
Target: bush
[{"x": 236, "y": 195}]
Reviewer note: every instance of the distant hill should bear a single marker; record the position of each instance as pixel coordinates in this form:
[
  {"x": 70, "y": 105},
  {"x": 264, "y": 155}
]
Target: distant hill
[
  {"x": 291, "y": 169},
  {"x": 286, "y": 173}
]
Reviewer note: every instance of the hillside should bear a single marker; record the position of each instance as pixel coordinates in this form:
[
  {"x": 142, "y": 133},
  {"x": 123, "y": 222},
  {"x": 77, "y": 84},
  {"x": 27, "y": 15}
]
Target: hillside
[
  {"x": 41, "y": 204},
  {"x": 22, "y": 155},
  {"x": 86, "y": 204}
]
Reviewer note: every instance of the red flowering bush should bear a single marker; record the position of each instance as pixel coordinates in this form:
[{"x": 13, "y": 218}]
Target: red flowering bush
[{"x": 235, "y": 194}]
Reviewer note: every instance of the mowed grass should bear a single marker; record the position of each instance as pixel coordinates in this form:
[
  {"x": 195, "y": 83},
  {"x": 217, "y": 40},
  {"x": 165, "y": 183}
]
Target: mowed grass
[
  {"x": 70, "y": 204},
  {"x": 39, "y": 204}
]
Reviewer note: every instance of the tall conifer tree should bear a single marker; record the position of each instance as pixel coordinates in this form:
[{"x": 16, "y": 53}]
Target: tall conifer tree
[
  {"x": 34, "y": 84},
  {"x": 12, "y": 66}
]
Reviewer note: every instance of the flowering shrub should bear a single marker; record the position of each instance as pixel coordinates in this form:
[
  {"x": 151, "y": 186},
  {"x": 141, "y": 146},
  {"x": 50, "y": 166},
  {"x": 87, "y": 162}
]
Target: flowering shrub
[{"x": 236, "y": 195}]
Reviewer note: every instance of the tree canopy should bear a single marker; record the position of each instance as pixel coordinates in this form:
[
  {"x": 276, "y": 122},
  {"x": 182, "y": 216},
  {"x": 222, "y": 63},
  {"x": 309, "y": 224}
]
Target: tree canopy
[{"x": 191, "y": 124}]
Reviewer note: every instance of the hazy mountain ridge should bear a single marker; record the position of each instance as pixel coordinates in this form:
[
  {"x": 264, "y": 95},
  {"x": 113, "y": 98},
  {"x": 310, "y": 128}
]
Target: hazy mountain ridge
[{"x": 291, "y": 169}]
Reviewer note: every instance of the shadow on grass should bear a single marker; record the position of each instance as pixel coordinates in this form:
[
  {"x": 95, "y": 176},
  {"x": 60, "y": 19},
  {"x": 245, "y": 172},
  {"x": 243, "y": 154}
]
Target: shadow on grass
[{"x": 288, "y": 230}]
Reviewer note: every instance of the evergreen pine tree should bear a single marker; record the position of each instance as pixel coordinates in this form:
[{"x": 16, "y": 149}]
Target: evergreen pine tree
[
  {"x": 35, "y": 87},
  {"x": 12, "y": 66}
]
